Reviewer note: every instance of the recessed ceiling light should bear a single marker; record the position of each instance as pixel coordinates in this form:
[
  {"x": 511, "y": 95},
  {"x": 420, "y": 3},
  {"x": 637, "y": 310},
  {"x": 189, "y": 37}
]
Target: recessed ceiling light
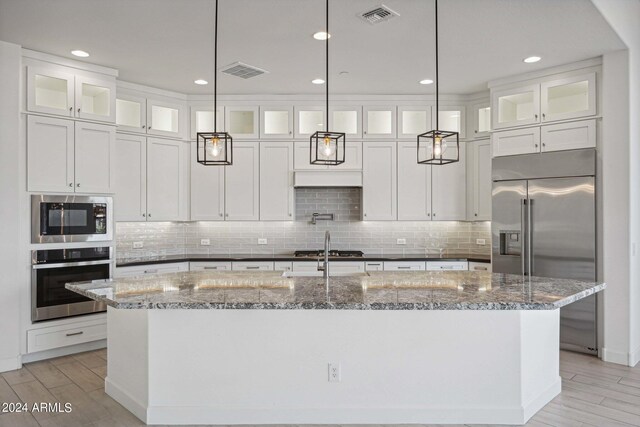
[
  {"x": 531, "y": 59},
  {"x": 426, "y": 82},
  {"x": 317, "y": 81},
  {"x": 321, "y": 35},
  {"x": 80, "y": 53},
  {"x": 201, "y": 82}
]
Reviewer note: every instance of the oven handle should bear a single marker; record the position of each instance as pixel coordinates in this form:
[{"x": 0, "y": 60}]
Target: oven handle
[{"x": 70, "y": 264}]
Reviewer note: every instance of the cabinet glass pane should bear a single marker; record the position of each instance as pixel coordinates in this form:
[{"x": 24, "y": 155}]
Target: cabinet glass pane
[
  {"x": 164, "y": 118},
  {"x": 241, "y": 122},
  {"x": 310, "y": 122},
  {"x": 128, "y": 113},
  {"x": 345, "y": 122},
  {"x": 414, "y": 122},
  {"x": 568, "y": 98},
  {"x": 51, "y": 92},
  {"x": 276, "y": 122},
  {"x": 484, "y": 119},
  {"x": 379, "y": 122},
  {"x": 204, "y": 121},
  {"x": 512, "y": 108},
  {"x": 96, "y": 100},
  {"x": 449, "y": 120}
]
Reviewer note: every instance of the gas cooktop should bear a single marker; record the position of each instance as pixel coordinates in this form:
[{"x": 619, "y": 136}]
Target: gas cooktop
[{"x": 332, "y": 253}]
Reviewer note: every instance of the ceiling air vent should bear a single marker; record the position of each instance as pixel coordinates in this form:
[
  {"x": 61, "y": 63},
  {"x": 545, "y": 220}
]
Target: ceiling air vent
[
  {"x": 378, "y": 15},
  {"x": 244, "y": 71}
]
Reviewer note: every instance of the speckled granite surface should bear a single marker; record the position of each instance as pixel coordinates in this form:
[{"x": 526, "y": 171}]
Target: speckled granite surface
[{"x": 416, "y": 290}]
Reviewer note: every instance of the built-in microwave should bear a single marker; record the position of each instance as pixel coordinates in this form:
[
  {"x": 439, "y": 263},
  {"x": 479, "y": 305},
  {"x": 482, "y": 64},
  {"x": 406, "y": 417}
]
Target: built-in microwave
[{"x": 62, "y": 219}]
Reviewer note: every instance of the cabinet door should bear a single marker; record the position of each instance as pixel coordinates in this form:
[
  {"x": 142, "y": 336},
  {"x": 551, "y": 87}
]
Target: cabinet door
[
  {"x": 166, "y": 180},
  {"x": 129, "y": 170},
  {"x": 480, "y": 266},
  {"x": 404, "y": 266},
  {"x": 481, "y": 120},
  {"x": 202, "y": 120},
  {"x": 210, "y": 265},
  {"x": 302, "y": 159},
  {"x": 568, "y": 98},
  {"x": 50, "y": 154},
  {"x": 451, "y": 118},
  {"x": 166, "y": 118},
  {"x": 93, "y": 157},
  {"x": 207, "y": 189},
  {"x": 50, "y": 90},
  {"x": 276, "y": 122},
  {"x": 308, "y": 120},
  {"x": 414, "y": 185},
  {"x": 569, "y": 136},
  {"x": 518, "y": 141},
  {"x": 252, "y": 265},
  {"x": 242, "y": 183},
  {"x": 131, "y": 113},
  {"x": 379, "y": 181},
  {"x": 515, "y": 107},
  {"x": 448, "y": 190},
  {"x": 346, "y": 119},
  {"x": 95, "y": 99},
  {"x": 413, "y": 121},
  {"x": 242, "y": 122},
  {"x": 352, "y": 157},
  {"x": 479, "y": 181},
  {"x": 276, "y": 178},
  {"x": 379, "y": 122}
]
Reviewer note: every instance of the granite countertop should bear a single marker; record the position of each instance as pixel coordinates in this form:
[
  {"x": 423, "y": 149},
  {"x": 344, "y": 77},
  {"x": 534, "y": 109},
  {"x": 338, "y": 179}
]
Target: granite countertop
[
  {"x": 417, "y": 290},
  {"x": 290, "y": 257}
]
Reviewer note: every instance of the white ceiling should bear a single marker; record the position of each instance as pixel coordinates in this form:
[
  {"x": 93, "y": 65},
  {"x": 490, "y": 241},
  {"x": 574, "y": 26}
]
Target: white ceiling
[{"x": 169, "y": 43}]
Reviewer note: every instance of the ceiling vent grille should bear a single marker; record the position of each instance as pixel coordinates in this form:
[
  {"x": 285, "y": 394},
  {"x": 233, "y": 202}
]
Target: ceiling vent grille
[
  {"x": 244, "y": 71},
  {"x": 378, "y": 15}
]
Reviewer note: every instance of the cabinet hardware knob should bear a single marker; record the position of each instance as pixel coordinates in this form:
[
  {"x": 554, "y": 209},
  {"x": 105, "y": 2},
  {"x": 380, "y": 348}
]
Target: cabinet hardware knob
[
  {"x": 149, "y": 215},
  {"x": 290, "y": 214},
  {"x": 476, "y": 214},
  {"x": 71, "y": 184},
  {"x": 476, "y": 131},
  {"x": 70, "y": 108},
  {"x": 535, "y": 145},
  {"x": 226, "y": 215},
  {"x": 365, "y": 214},
  {"x": 220, "y": 214},
  {"x": 290, "y": 132},
  {"x": 434, "y": 214},
  {"x": 544, "y": 144},
  {"x": 149, "y": 127},
  {"x": 543, "y": 116},
  {"x": 78, "y": 110},
  {"x": 536, "y": 116},
  {"x": 144, "y": 126},
  {"x": 78, "y": 185},
  {"x": 144, "y": 215}
]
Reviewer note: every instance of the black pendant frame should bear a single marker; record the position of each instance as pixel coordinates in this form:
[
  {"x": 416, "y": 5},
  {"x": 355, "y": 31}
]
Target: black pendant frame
[
  {"x": 318, "y": 140},
  {"x": 427, "y": 148},
  {"x": 226, "y": 156}
]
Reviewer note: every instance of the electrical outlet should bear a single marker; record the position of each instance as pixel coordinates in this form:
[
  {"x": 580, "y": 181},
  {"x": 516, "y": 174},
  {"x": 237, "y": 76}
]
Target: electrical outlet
[
  {"x": 138, "y": 245},
  {"x": 480, "y": 242},
  {"x": 401, "y": 241},
  {"x": 334, "y": 372},
  {"x": 205, "y": 242},
  {"x": 262, "y": 241}
]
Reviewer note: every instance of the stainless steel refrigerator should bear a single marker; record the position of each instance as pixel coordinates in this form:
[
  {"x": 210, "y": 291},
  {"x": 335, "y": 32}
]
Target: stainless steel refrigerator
[{"x": 544, "y": 224}]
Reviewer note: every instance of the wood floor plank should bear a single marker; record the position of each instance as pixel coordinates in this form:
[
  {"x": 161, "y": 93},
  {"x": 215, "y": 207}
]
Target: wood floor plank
[
  {"x": 101, "y": 353},
  {"x": 100, "y": 371},
  {"x": 33, "y": 392},
  {"x": 17, "y": 377},
  {"x": 606, "y": 384},
  {"x": 596, "y": 372},
  {"x": 629, "y": 382},
  {"x": 90, "y": 360},
  {"x": 581, "y": 395},
  {"x": 7, "y": 394},
  {"x": 83, "y": 407},
  {"x": 116, "y": 411},
  {"x": 62, "y": 359},
  {"x": 584, "y": 417},
  {"x": 622, "y": 406},
  {"x": 556, "y": 420},
  {"x": 82, "y": 376},
  {"x": 18, "y": 419},
  {"x": 47, "y": 374},
  {"x": 602, "y": 411},
  {"x": 567, "y": 374},
  {"x": 629, "y": 398}
]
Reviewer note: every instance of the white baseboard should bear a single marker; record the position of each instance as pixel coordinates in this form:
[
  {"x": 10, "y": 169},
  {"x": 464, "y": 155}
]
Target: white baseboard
[
  {"x": 64, "y": 351},
  {"x": 634, "y": 357},
  {"x": 540, "y": 401},
  {"x": 125, "y": 399},
  {"x": 621, "y": 358},
  {"x": 10, "y": 364}
]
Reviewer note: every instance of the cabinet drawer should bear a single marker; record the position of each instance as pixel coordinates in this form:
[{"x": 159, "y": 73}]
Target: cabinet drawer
[
  {"x": 337, "y": 267},
  {"x": 480, "y": 266},
  {"x": 518, "y": 141},
  {"x": 569, "y": 136},
  {"x": 283, "y": 265},
  {"x": 374, "y": 266},
  {"x": 447, "y": 265},
  {"x": 62, "y": 336},
  {"x": 210, "y": 265},
  {"x": 151, "y": 269},
  {"x": 404, "y": 265},
  {"x": 305, "y": 266},
  {"x": 262, "y": 265}
]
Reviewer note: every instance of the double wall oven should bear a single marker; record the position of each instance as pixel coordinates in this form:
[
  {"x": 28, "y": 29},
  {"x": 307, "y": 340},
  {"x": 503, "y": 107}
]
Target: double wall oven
[{"x": 56, "y": 222}]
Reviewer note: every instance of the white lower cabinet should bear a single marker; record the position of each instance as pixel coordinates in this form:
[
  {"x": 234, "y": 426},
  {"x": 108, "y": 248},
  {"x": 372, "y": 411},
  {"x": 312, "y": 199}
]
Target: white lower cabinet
[
  {"x": 142, "y": 270},
  {"x": 283, "y": 265},
  {"x": 517, "y": 141},
  {"x": 242, "y": 183},
  {"x": 414, "y": 185},
  {"x": 404, "y": 265},
  {"x": 374, "y": 266},
  {"x": 568, "y": 136},
  {"x": 480, "y": 266},
  {"x": 210, "y": 265},
  {"x": 479, "y": 182},
  {"x": 449, "y": 190},
  {"x": 276, "y": 178},
  {"x": 65, "y": 335},
  {"x": 447, "y": 265},
  {"x": 379, "y": 181},
  {"x": 335, "y": 267},
  {"x": 252, "y": 265}
]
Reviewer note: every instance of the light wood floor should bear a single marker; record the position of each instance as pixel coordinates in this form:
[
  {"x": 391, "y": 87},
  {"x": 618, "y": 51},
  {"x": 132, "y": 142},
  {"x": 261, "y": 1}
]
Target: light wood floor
[{"x": 594, "y": 393}]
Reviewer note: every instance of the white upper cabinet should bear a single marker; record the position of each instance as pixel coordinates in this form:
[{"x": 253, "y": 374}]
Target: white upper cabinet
[
  {"x": 379, "y": 181},
  {"x": 481, "y": 120},
  {"x": 93, "y": 156},
  {"x": 302, "y": 157},
  {"x": 479, "y": 181},
  {"x": 242, "y": 122},
  {"x": 276, "y": 122},
  {"x": 207, "y": 189},
  {"x": 50, "y": 154},
  {"x": 308, "y": 120},
  {"x": 242, "y": 191},
  {"x": 568, "y": 98},
  {"x": 276, "y": 181},
  {"x": 202, "y": 120},
  {"x": 448, "y": 189},
  {"x": 568, "y": 136},
  {"x": 346, "y": 119},
  {"x": 515, "y": 107},
  {"x": 379, "y": 122},
  {"x": 129, "y": 171},
  {"x": 414, "y": 185},
  {"x": 451, "y": 118},
  {"x": 95, "y": 99},
  {"x": 131, "y": 113},
  {"x": 166, "y": 118},
  {"x": 352, "y": 157},
  {"x": 167, "y": 174},
  {"x": 413, "y": 121},
  {"x": 515, "y": 141}
]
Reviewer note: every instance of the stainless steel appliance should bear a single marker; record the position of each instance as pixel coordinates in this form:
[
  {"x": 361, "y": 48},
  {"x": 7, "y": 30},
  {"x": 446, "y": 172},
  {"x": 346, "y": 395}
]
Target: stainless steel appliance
[
  {"x": 60, "y": 219},
  {"x": 53, "y": 268},
  {"x": 544, "y": 224}
]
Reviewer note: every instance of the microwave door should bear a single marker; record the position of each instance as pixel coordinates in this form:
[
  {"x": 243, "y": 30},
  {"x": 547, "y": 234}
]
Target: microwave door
[{"x": 509, "y": 227}]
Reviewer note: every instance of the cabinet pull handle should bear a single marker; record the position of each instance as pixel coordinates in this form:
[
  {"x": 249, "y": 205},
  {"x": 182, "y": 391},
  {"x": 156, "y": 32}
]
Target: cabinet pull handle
[
  {"x": 151, "y": 271},
  {"x": 480, "y": 268},
  {"x": 403, "y": 268},
  {"x": 75, "y": 333},
  {"x": 253, "y": 267},
  {"x": 211, "y": 268},
  {"x": 373, "y": 265}
]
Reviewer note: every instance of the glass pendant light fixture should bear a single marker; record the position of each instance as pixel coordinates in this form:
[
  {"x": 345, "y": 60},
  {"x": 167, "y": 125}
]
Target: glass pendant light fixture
[
  {"x": 438, "y": 147},
  {"x": 327, "y": 147},
  {"x": 215, "y": 148}
]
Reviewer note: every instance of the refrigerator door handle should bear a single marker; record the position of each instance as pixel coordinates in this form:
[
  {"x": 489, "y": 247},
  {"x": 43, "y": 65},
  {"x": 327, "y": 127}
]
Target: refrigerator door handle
[
  {"x": 529, "y": 236},
  {"x": 523, "y": 228}
]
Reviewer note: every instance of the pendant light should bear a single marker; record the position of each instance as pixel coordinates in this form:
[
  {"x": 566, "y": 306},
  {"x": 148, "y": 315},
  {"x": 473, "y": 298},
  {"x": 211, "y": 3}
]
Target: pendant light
[
  {"x": 327, "y": 147},
  {"x": 215, "y": 148},
  {"x": 438, "y": 147}
]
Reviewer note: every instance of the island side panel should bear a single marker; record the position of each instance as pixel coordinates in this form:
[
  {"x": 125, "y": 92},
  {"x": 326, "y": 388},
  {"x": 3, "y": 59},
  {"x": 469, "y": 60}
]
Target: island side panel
[{"x": 271, "y": 366}]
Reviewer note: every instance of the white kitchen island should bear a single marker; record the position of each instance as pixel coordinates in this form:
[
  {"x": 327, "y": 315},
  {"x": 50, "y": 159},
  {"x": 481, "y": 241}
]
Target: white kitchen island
[{"x": 411, "y": 347}]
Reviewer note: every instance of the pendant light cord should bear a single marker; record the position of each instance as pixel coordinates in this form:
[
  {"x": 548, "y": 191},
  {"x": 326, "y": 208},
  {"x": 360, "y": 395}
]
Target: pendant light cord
[
  {"x": 215, "y": 72},
  {"x": 326, "y": 71},
  {"x": 437, "y": 79}
]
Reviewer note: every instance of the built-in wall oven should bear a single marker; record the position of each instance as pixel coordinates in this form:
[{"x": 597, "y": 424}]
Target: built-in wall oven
[
  {"x": 62, "y": 219},
  {"x": 53, "y": 268}
]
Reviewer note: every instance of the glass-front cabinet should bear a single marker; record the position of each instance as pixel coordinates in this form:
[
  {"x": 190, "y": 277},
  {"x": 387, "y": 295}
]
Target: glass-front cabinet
[
  {"x": 379, "y": 122},
  {"x": 413, "y": 121},
  {"x": 309, "y": 119},
  {"x": 95, "y": 99},
  {"x": 481, "y": 120},
  {"x": 346, "y": 119},
  {"x": 516, "y": 107},
  {"x": 568, "y": 98},
  {"x": 276, "y": 122},
  {"x": 166, "y": 118},
  {"x": 452, "y": 118},
  {"x": 131, "y": 113},
  {"x": 242, "y": 122},
  {"x": 202, "y": 119}
]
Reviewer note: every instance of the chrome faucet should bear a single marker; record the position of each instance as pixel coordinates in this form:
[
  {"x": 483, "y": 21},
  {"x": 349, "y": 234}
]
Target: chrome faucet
[{"x": 325, "y": 266}]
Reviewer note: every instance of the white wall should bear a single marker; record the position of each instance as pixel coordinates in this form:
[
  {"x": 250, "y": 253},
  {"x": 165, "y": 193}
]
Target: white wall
[
  {"x": 10, "y": 281},
  {"x": 622, "y": 300}
]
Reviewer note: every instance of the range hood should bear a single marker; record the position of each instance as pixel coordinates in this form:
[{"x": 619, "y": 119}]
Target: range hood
[{"x": 327, "y": 179}]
